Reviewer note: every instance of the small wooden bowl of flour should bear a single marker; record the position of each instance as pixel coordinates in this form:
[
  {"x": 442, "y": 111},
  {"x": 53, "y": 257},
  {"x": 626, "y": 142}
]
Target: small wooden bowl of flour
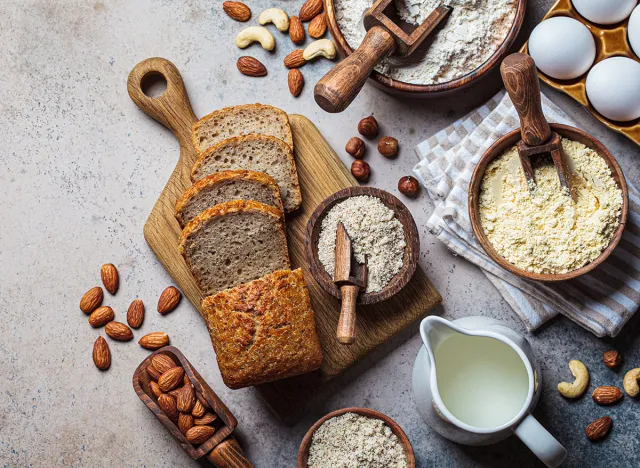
[
  {"x": 407, "y": 255},
  {"x": 390, "y": 441}
]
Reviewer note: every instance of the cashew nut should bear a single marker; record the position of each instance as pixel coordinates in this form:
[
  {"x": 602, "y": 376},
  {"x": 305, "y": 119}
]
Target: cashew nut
[
  {"x": 579, "y": 386},
  {"x": 630, "y": 383},
  {"x": 276, "y": 16},
  {"x": 255, "y": 34},
  {"x": 323, "y": 47}
]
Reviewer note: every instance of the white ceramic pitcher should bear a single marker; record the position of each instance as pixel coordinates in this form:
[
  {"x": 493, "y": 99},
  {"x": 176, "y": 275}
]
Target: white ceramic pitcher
[{"x": 435, "y": 331}]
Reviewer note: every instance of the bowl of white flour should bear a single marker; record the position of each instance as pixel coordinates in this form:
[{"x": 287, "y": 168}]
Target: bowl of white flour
[{"x": 470, "y": 41}]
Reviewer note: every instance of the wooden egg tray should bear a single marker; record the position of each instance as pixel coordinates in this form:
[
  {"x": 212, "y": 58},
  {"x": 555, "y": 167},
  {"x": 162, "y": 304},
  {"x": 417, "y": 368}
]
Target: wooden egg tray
[{"x": 611, "y": 41}]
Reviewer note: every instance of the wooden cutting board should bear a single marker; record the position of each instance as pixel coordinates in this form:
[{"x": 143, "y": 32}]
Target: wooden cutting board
[{"x": 321, "y": 173}]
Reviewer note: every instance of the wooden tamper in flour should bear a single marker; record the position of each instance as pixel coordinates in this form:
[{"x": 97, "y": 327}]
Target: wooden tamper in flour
[{"x": 339, "y": 87}]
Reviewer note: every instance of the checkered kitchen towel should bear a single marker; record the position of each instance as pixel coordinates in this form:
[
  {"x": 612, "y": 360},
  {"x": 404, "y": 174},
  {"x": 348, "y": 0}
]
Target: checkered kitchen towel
[{"x": 601, "y": 301}]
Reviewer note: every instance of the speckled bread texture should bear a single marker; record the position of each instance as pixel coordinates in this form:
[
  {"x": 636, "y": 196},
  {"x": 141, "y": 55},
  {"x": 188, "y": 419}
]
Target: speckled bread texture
[
  {"x": 233, "y": 243},
  {"x": 241, "y": 120},
  {"x": 227, "y": 186},
  {"x": 260, "y": 153},
  {"x": 263, "y": 330}
]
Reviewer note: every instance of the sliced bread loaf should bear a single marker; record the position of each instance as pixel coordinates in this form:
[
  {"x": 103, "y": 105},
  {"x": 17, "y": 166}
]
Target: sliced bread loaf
[
  {"x": 227, "y": 186},
  {"x": 261, "y": 153},
  {"x": 233, "y": 243},
  {"x": 241, "y": 120}
]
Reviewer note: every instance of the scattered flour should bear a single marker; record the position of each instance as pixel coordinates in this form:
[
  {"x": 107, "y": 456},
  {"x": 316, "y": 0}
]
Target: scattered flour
[
  {"x": 374, "y": 231},
  {"x": 547, "y": 231},
  {"x": 474, "y": 30},
  {"x": 355, "y": 441}
]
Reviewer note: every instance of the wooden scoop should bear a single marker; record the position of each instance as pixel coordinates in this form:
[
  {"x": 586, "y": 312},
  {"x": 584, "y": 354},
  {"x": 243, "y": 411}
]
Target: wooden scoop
[
  {"x": 521, "y": 80},
  {"x": 350, "y": 285},
  {"x": 339, "y": 87}
]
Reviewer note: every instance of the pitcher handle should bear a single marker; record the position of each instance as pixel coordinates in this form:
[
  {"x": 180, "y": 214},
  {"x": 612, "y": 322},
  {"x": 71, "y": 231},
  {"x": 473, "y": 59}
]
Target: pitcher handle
[{"x": 540, "y": 442}]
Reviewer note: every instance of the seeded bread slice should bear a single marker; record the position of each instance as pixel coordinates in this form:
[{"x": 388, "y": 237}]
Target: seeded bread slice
[
  {"x": 241, "y": 120},
  {"x": 233, "y": 243},
  {"x": 227, "y": 186},
  {"x": 263, "y": 330},
  {"x": 261, "y": 153}
]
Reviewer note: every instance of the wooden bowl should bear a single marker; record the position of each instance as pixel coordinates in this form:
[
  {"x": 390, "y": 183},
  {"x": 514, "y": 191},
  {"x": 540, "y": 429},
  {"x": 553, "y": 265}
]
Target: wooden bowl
[
  {"x": 303, "y": 453},
  {"x": 416, "y": 90},
  {"x": 411, "y": 238},
  {"x": 506, "y": 142}
]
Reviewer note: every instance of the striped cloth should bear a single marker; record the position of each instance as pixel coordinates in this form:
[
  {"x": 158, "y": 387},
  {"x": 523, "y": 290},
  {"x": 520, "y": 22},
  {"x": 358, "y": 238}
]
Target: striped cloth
[{"x": 601, "y": 301}]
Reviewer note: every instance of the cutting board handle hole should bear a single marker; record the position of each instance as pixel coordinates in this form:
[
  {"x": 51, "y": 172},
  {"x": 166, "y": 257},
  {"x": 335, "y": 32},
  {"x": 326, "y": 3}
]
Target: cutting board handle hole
[{"x": 153, "y": 84}]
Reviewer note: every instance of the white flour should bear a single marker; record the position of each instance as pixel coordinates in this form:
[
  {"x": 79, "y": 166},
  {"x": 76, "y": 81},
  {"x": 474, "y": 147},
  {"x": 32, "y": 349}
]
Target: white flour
[{"x": 474, "y": 30}]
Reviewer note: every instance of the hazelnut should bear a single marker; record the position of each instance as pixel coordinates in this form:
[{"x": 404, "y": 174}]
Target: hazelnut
[
  {"x": 368, "y": 127},
  {"x": 388, "y": 146},
  {"x": 408, "y": 186},
  {"x": 360, "y": 170},
  {"x": 612, "y": 359},
  {"x": 355, "y": 147}
]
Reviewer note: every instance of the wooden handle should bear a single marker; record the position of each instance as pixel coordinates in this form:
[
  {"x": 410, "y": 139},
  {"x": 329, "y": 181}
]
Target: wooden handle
[
  {"x": 521, "y": 80},
  {"x": 172, "y": 108},
  {"x": 346, "y": 333},
  {"x": 339, "y": 87},
  {"x": 229, "y": 454}
]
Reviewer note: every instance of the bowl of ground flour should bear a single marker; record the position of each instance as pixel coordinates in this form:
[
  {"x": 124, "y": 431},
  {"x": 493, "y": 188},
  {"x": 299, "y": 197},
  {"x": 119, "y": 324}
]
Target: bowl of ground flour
[
  {"x": 470, "y": 42},
  {"x": 356, "y": 438},
  {"x": 381, "y": 229}
]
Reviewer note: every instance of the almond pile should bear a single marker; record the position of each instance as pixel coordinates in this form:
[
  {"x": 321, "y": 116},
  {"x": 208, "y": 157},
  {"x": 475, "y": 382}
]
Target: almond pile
[
  {"x": 178, "y": 399},
  {"x": 104, "y": 316},
  {"x": 311, "y": 12}
]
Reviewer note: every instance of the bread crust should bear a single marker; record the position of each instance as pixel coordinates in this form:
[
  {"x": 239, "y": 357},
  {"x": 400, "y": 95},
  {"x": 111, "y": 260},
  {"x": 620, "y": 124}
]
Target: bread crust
[
  {"x": 225, "y": 176},
  {"x": 263, "y": 330},
  {"x": 231, "y": 109}
]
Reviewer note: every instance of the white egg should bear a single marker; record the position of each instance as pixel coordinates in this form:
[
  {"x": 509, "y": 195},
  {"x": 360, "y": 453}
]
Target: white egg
[
  {"x": 613, "y": 88},
  {"x": 604, "y": 11},
  {"x": 634, "y": 30},
  {"x": 562, "y": 48}
]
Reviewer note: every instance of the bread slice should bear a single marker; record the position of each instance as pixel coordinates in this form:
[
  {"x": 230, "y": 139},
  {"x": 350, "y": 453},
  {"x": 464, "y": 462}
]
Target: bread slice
[
  {"x": 241, "y": 120},
  {"x": 261, "y": 153},
  {"x": 227, "y": 186},
  {"x": 233, "y": 243},
  {"x": 263, "y": 330}
]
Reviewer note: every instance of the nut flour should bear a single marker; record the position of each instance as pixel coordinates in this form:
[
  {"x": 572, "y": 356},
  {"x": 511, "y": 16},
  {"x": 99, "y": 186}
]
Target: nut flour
[
  {"x": 548, "y": 231},
  {"x": 474, "y": 30}
]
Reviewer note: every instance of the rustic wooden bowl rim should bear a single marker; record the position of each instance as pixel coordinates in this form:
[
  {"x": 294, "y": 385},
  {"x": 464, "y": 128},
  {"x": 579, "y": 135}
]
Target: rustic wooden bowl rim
[
  {"x": 474, "y": 215},
  {"x": 411, "y": 237},
  {"x": 303, "y": 452},
  {"x": 409, "y": 88}
]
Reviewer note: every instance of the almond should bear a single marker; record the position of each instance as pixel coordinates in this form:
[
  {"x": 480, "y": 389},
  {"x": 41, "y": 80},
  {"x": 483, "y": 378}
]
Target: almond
[
  {"x": 175, "y": 392},
  {"x": 599, "y": 428},
  {"x": 170, "y": 379},
  {"x": 199, "y": 434},
  {"x": 606, "y": 395},
  {"x": 295, "y": 59},
  {"x": 91, "y": 300},
  {"x": 155, "y": 389},
  {"x": 135, "y": 314},
  {"x": 154, "y": 340},
  {"x": 251, "y": 66},
  {"x": 198, "y": 410},
  {"x": 296, "y": 82},
  {"x": 310, "y": 9},
  {"x": 101, "y": 354},
  {"x": 208, "y": 418},
  {"x": 202, "y": 400},
  {"x": 162, "y": 363},
  {"x": 110, "y": 277},
  {"x": 237, "y": 10},
  {"x": 168, "y": 405},
  {"x": 318, "y": 26},
  {"x": 296, "y": 30},
  {"x": 612, "y": 359},
  {"x": 169, "y": 300},
  {"x": 153, "y": 373},
  {"x": 185, "y": 422},
  {"x": 186, "y": 380},
  {"x": 101, "y": 316},
  {"x": 186, "y": 399},
  {"x": 118, "y": 331}
]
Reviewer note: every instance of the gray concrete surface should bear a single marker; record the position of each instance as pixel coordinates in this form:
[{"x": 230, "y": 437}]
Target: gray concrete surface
[{"x": 80, "y": 169}]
